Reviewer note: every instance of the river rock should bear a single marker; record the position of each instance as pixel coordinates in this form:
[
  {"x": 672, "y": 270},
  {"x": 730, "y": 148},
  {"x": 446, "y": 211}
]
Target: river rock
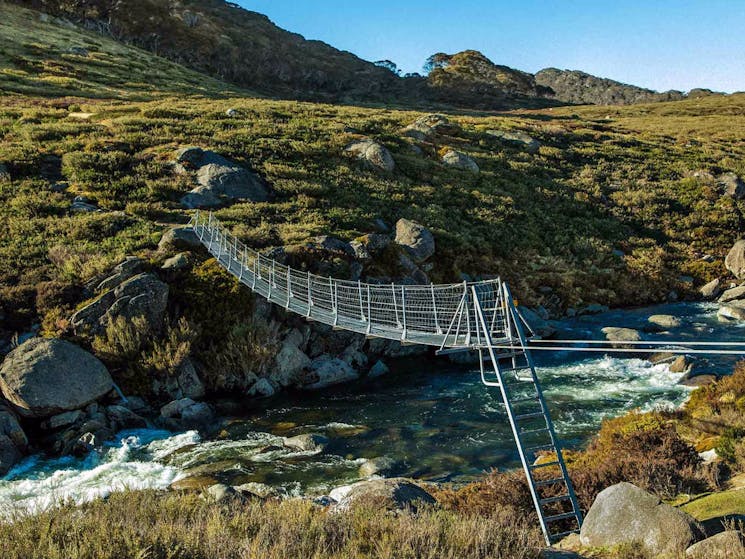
[
  {"x": 219, "y": 180},
  {"x": 391, "y": 494},
  {"x": 725, "y": 545},
  {"x": 255, "y": 489},
  {"x": 681, "y": 364},
  {"x": 732, "y": 294},
  {"x": 44, "y": 377},
  {"x": 308, "y": 442},
  {"x": 179, "y": 238},
  {"x": 416, "y": 239},
  {"x": 64, "y": 419},
  {"x": 9, "y": 454},
  {"x": 374, "y": 155},
  {"x": 732, "y": 185},
  {"x": 142, "y": 295},
  {"x": 378, "y": 369},
  {"x": 10, "y": 427},
  {"x": 458, "y": 160},
  {"x": 124, "y": 418},
  {"x": 625, "y": 514},
  {"x": 711, "y": 289},
  {"x": 664, "y": 321},
  {"x": 616, "y": 334},
  {"x": 381, "y": 465},
  {"x": 326, "y": 371},
  {"x": 539, "y": 325},
  {"x": 262, "y": 388},
  {"x": 185, "y": 383},
  {"x": 735, "y": 260},
  {"x": 290, "y": 361},
  {"x": 186, "y": 414},
  {"x": 734, "y": 310}
]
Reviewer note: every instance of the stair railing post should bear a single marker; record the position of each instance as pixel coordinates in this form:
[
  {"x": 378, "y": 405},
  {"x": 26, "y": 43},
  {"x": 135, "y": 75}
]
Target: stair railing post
[
  {"x": 434, "y": 309},
  {"x": 468, "y": 313},
  {"x": 310, "y": 295},
  {"x": 395, "y": 306},
  {"x": 359, "y": 293},
  {"x": 403, "y": 307},
  {"x": 289, "y": 287},
  {"x": 334, "y": 300},
  {"x": 369, "y": 311}
]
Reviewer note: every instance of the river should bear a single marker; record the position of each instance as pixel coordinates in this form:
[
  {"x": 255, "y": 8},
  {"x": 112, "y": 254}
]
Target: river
[{"x": 433, "y": 418}]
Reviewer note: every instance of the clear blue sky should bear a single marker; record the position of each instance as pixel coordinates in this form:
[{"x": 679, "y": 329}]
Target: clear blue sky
[{"x": 660, "y": 44}]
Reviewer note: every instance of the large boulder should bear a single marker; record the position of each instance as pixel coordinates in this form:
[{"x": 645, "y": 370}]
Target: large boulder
[
  {"x": 735, "y": 310},
  {"x": 179, "y": 238},
  {"x": 626, "y": 514},
  {"x": 186, "y": 414},
  {"x": 290, "y": 361},
  {"x": 327, "y": 371},
  {"x": 616, "y": 334},
  {"x": 735, "y": 260},
  {"x": 219, "y": 180},
  {"x": 458, "y": 160},
  {"x": 416, "y": 239},
  {"x": 427, "y": 127},
  {"x": 44, "y": 377},
  {"x": 127, "y": 268},
  {"x": 142, "y": 295},
  {"x": 711, "y": 289},
  {"x": 732, "y": 294},
  {"x": 9, "y": 454},
  {"x": 391, "y": 494},
  {"x": 13, "y": 441},
  {"x": 664, "y": 321},
  {"x": 374, "y": 155},
  {"x": 539, "y": 325},
  {"x": 724, "y": 545}
]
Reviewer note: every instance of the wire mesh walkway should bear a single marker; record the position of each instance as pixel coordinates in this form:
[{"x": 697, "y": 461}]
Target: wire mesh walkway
[{"x": 436, "y": 315}]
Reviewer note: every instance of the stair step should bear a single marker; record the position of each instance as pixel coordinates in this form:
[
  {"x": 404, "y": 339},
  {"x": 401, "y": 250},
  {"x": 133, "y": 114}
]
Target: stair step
[
  {"x": 542, "y": 482},
  {"x": 561, "y": 516},
  {"x": 530, "y": 431},
  {"x": 530, "y": 415},
  {"x": 540, "y": 448},
  {"x": 560, "y": 535},
  {"x": 544, "y": 465},
  {"x": 555, "y": 499}
]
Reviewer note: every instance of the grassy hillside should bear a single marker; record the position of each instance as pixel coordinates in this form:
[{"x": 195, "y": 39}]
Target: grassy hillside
[
  {"x": 615, "y": 205},
  {"x": 40, "y": 55}
]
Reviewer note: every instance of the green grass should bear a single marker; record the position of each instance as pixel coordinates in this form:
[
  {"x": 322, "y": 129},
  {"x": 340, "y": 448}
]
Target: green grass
[{"x": 715, "y": 505}]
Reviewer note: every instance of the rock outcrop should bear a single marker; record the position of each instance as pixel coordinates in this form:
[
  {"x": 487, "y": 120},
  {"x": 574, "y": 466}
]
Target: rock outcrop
[
  {"x": 326, "y": 371},
  {"x": 516, "y": 138},
  {"x": 179, "y": 238},
  {"x": 625, "y": 514},
  {"x": 13, "y": 440},
  {"x": 732, "y": 294},
  {"x": 392, "y": 494},
  {"x": 429, "y": 127},
  {"x": 373, "y": 155},
  {"x": 458, "y": 160},
  {"x": 732, "y": 311},
  {"x": 416, "y": 239},
  {"x": 142, "y": 295},
  {"x": 735, "y": 259},
  {"x": 219, "y": 180},
  {"x": 44, "y": 377}
]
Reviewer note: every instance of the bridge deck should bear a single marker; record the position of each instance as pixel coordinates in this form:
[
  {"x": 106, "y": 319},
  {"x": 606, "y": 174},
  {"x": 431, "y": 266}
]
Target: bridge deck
[{"x": 435, "y": 315}]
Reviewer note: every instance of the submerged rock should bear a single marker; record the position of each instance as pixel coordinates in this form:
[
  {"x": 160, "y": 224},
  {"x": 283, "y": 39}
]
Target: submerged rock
[
  {"x": 624, "y": 514},
  {"x": 308, "y": 442},
  {"x": 44, "y": 377}
]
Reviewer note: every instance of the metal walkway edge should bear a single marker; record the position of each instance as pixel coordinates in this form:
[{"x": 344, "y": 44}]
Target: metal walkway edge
[{"x": 480, "y": 316}]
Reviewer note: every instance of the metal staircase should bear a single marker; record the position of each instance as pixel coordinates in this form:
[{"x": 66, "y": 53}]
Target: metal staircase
[{"x": 537, "y": 444}]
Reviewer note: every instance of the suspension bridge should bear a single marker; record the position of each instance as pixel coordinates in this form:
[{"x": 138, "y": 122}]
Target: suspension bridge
[{"x": 469, "y": 316}]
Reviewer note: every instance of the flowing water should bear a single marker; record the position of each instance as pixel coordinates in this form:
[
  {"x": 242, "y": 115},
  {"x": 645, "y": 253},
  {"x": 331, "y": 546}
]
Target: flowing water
[{"x": 434, "y": 419}]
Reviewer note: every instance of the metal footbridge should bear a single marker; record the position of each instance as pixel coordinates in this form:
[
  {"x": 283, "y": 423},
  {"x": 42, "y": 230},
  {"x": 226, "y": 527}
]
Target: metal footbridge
[{"x": 478, "y": 316}]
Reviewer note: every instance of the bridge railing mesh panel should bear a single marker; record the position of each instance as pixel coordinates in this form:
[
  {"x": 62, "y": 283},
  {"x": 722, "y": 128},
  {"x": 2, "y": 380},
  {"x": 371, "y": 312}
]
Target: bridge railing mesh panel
[{"x": 440, "y": 315}]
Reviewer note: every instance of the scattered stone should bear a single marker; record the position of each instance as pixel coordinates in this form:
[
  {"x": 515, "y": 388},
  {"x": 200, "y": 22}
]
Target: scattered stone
[
  {"x": 142, "y": 295},
  {"x": 391, "y": 494},
  {"x": 219, "y": 180},
  {"x": 725, "y": 545},
  {"x": 327, "y": 371},
  {"x": 416, "y": 239},
  {"x": 626, "y": 514},
  {"x": 732, "y": 294},
  {"x": 373, "y": 155},
  {"x": 616, "y": 334},
  {"x": 665, "y": 321},
  {"x": 711, "y": 289},
  {"x": 517, "y": 137},
  {"x": 378, "y": 370},
  {"x": 733, "y": 185},
  {"x": 178, "y": 262},
  {"x": 308, "y": 442},
  {"x": 221, "y": 493},
  {"x": 458, "y": 160},
  {"x": 262, "y": 388},
  {"x": 124, "y": 418},
  {"x": 83, "y": 204},
  {"x": 370, "y": 245},
  {"x": 232, "y": 113},
  {"x": 334, "y": 245},
  {"x": 44, "y": 377},
  {"x": 255, "y": 489},
  {"x": 381, "y": 465},
  {"x": 734, "y": 310},
  {"x": 735, "y": 260},
  {"x": 64, "y": 419},
  {"x": 681, "y": 364},
  {"x": 179, "y": 238},
  {"x": 425, "y": 128}
]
